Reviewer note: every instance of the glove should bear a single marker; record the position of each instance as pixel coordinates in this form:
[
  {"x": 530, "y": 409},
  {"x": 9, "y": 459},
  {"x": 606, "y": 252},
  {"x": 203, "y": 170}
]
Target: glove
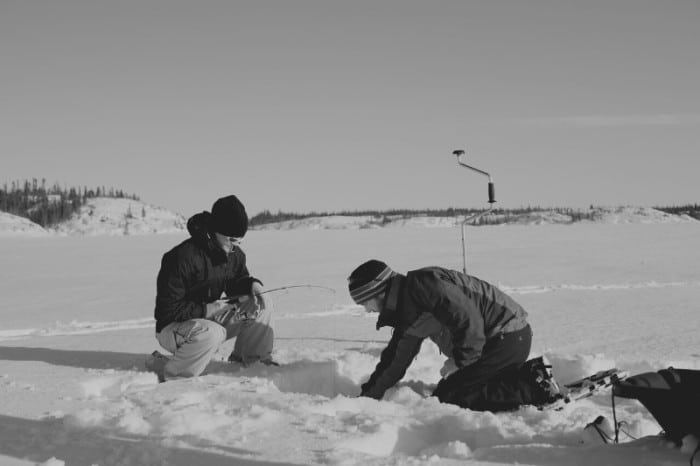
[
  {"x": 261, "y": 299},
  {"x": 232, "y": 309},
  {"x": 448, "y": 368},
  {"x": 247, "y": 309},
  {"x": 218, "y": 310}
]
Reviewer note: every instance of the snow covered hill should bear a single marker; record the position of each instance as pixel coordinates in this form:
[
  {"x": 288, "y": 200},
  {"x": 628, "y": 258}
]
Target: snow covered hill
[
  {"x": 102, "y": 216},
  {"x": 109, "y": 216},
  {"x": 114, "y": 217},
  {"x": 14, "y": 225},
  {"x": 611, "y": 215}
]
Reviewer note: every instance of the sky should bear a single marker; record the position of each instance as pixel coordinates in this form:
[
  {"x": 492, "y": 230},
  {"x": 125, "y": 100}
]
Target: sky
[{"x": 330, "y": 105}]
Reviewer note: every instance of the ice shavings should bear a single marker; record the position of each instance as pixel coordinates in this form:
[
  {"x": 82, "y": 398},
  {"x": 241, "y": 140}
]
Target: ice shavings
[{"x": 116, "y": 384}]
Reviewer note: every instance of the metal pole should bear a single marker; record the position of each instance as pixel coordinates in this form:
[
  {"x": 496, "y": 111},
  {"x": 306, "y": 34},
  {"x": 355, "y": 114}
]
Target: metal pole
[{"x": 492, "y": 199}]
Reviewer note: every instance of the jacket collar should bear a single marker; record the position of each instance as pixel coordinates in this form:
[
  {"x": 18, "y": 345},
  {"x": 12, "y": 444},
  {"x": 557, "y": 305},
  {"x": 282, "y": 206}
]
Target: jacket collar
[
  {"x": 198, "y": 227},
  {"x": 390, "y": 314}
]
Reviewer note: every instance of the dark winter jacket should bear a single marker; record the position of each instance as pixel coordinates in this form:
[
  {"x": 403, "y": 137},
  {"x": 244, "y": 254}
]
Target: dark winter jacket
[
  {"x": 458, "y": 312},
  {"x": 195, "y": 273}
]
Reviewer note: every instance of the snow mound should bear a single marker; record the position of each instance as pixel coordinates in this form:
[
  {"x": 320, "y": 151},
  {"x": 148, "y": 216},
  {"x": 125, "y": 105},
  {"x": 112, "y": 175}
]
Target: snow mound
[
  {"x": 424, "y": 221},
  {"x": 630, "y": 214},
  {"x": 313, "y": 399},
  {"x": 14, "y": 225},
  {"x": 115, "y": 217}
]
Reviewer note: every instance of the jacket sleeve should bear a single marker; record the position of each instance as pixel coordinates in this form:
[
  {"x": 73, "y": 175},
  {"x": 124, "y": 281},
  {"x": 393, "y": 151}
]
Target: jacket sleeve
[
  {"x": 241, "y": 286},
  {"x": 242, "y": 282},
  {"x": 171, "y": 294},
  {"x": 455, "y": 309},
  {"x": 394, "y": 361}
]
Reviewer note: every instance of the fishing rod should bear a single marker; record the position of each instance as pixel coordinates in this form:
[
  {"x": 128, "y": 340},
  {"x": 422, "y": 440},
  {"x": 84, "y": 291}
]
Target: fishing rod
[
  {"x": 281, "y": 288},
  {"x": 237, "y": 299},
  {"x": 238, "y": 315}
]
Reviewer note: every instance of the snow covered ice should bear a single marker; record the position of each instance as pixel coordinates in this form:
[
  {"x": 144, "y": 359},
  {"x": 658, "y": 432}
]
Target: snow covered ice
[{"x": 77, "y": 326}]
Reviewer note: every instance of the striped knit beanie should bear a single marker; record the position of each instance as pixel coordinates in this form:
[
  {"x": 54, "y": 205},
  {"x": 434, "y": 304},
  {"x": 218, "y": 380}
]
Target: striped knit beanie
[{"x": 368, "y": 280}]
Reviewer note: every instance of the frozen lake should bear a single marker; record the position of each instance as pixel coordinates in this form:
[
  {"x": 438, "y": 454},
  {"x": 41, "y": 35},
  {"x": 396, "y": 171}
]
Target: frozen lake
[
  {"x": 77, "y": 324},
  {"x": 587, "y": 287}
]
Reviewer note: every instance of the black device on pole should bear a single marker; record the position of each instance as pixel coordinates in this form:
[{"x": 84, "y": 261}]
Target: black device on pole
[{"x": 492, "y": 199}]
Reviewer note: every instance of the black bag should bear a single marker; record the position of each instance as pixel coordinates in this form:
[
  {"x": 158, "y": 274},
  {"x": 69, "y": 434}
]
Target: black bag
[{"x": 671, "y": 395}]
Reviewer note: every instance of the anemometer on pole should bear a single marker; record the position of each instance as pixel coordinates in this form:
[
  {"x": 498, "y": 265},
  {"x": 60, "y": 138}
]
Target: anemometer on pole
[{"x": 492, "y": 199}]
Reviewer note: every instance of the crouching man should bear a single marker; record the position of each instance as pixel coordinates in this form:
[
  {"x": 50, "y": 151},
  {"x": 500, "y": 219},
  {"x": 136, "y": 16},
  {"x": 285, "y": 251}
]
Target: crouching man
[
  {"x": 192, "y": 319},
  {"x": 483, "y": 332}
]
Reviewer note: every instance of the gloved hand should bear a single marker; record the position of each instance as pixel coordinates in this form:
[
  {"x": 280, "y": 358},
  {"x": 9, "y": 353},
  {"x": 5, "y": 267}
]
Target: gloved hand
[
  {"x": 219, "y": 310},
  {"x": 448, "y": 368},
  {"x": 262, "y": 300},
  {"x": 246, "y": 309}
]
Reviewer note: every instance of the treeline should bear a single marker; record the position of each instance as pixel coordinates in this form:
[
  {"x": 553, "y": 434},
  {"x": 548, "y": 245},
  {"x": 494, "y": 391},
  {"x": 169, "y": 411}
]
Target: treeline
[
  {"x": 50, "y": 205},
  {"x": 494, "y": 217},
  {"x": 691, "y": 210}
]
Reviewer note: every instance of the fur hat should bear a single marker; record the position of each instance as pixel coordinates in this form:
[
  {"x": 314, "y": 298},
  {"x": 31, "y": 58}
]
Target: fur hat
[
  {"x": 228, "y": 217},
  {"x": 368, "y": 280}
]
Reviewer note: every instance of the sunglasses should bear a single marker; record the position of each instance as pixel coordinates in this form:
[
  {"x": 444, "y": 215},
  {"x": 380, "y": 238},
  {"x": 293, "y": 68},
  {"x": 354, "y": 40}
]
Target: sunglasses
[
  {"x": 231, "y": 239},
  {"x": 234, "y": 240}
]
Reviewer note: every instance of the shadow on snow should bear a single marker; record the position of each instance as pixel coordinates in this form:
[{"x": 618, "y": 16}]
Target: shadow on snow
[
  {"x": 308, "y": 377},
  {"x": 40, "y": 440}
]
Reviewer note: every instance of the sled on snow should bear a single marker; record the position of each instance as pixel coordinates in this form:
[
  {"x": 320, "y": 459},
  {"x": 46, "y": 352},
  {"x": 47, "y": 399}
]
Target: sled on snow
[
  {"x": 594, "y": 384},
  {"x": 672, "y": 397}
]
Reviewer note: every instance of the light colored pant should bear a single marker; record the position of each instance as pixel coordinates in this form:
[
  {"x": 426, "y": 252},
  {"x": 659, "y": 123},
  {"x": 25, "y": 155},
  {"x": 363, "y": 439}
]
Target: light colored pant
[{"x": 194, "y": 342}]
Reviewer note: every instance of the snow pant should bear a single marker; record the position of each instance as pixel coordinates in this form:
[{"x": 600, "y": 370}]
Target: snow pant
[
  {"x": 492, "y": 383},
  {"x": 194, "y": 342}
]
